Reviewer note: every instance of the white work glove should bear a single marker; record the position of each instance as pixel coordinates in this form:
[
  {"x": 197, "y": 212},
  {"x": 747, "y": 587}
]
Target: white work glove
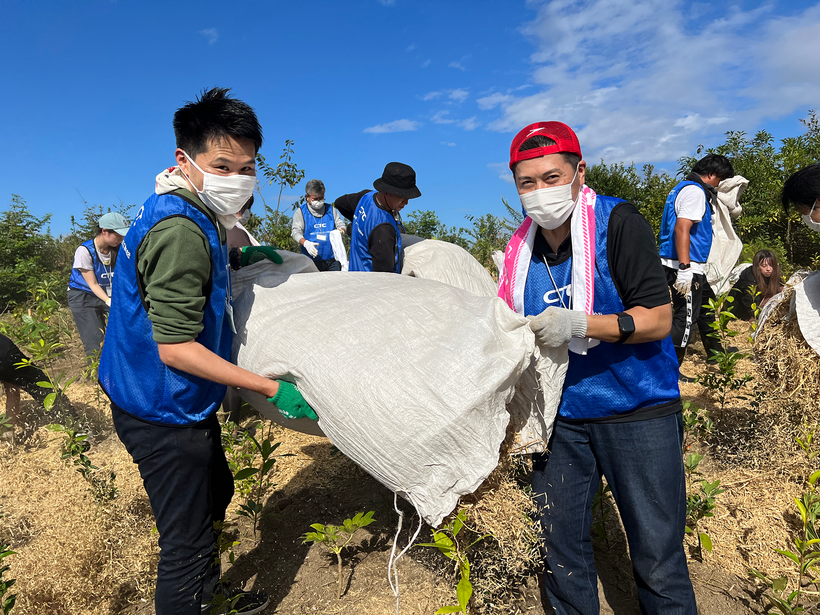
[
  {"x": 108, "y": 303},
  {"x": 556, "y": 326},
  {"x": 311, "y": 248},
  {"x": 683, "y": 284}
]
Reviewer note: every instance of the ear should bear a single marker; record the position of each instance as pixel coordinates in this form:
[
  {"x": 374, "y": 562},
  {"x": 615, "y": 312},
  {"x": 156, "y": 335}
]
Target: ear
[
  {"x": 582, "y": 172},
  {"x": 182, "y": 160}
]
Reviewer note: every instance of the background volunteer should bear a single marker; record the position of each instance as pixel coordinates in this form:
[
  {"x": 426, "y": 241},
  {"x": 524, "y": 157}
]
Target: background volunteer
[
  {"x": 92, "y": 275},
  {"x": 312, "y": 224},
  {"x": 375, "y": 237}
]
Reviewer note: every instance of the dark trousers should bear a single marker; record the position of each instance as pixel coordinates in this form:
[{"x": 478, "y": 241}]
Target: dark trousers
[
  {"x": 685, "y": 310},
  {"x": 90, "y": 316},
  {"x": 328, "y": 265},
  {"x": 642, "y": 463},
  {"x": 190, "y": 486},
  {"x": 711, "y": 345},
  {"x": 25, "y": 378}
]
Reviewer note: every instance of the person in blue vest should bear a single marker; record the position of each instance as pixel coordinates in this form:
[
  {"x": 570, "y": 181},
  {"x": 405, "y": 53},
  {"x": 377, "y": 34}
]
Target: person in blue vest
[
  {"x": 686, "y": 239},
  {"x": 312, "y": 224},
  {"x": 375, "y": 237},
  {"x": 585, "y": 267},
  {"x": 92, "y": 275},
  {"x": 166, "y": 363}
]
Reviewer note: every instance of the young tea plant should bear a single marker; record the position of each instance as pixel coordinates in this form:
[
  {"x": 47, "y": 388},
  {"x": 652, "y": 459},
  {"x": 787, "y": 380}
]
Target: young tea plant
[
  {"x": 447, "y": 541},
  {"x": 700, "y": 502},
  {"x": 74, "y": 449},
  {"x": 337, "y": 537},
  {"x": 805, "y": 555},
  {"x": 725, "y": 381},
  {"x": 7, "y": 599}
]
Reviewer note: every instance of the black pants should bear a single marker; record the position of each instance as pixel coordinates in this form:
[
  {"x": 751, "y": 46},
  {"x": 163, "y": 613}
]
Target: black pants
[
  {"x": 685, "y": 310},
  {"x": 706, "y": 318},
  {"x": 190, "y": 486},
  {"x": 328, "y": 265},
  {"x": 90, "y": 316},
  {"x": 25, "y": 378}
]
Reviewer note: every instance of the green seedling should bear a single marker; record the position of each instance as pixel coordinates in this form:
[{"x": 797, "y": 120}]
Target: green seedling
[
  {"x": 74, "y": 449},
  {"x": 700, "y": 502},
  {"x": 252, "y": 506},
  {"x": 696, "y": 423},
  {"x": 224, "y": 543},
  {"x": 603, "y": 505},
  {"x": 446, "y": 540},
  {"x": 337, "y": 537},
  {"x": 805, "y": 555},
  {"x": 7, "y": 600}
]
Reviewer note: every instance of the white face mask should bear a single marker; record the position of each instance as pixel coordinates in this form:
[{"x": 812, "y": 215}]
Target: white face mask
[
  {"x": 246, "y": 215},
  {"x": 550, "y": 207},
  {"x": 223, "y": 194},
  {"x": 315, "y": 205},
  {"x": 815, "y": 226}
]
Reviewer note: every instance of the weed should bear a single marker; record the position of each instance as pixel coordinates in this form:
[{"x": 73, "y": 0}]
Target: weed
[
  {"x": 446, "y": 540},
  {"x": 337, "y": 537}
]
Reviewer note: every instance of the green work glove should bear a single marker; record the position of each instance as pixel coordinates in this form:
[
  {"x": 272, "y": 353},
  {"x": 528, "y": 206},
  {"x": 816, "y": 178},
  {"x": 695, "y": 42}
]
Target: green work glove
[
  {"x": 254, "y": 254},
  {"x": 290, "y": 402}
]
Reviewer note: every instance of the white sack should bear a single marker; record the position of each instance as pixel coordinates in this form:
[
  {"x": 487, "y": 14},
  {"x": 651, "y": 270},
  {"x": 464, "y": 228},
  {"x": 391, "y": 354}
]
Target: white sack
[
  {"x": 726, "y": 245},
  {"x": 445, "y": 262},
  {"x": 410, "y": 377},
  {"x": 807, "y": 306}
]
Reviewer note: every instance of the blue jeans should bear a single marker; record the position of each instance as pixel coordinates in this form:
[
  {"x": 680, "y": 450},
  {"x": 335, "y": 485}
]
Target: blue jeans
[{"x": 642, "y": 463}]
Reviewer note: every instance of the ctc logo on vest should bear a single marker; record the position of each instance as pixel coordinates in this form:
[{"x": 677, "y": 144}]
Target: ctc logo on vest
[{"x": 558, "y": 296}]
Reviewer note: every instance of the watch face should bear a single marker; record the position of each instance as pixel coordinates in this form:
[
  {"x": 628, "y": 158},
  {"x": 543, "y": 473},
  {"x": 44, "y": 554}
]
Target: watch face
[{"x": 626, "y": 324}]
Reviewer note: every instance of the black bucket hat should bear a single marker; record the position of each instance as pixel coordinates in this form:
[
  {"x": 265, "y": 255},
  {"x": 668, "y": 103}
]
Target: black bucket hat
[{"x": 398, "y": 179}]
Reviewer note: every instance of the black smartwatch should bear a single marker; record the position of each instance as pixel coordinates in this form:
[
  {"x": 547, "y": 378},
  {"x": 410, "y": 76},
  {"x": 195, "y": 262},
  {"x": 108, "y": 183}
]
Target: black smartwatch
[
  {"x": 684, "y": 266},
  {"x": 626, "y": 326}
]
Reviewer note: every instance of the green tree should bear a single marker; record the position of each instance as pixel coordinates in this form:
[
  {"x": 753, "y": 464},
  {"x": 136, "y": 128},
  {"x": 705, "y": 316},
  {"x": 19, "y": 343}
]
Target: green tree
[
  {"x": 28, "y": 252},
  {"x": 275, "y": 227},
  {"x": 427, "y": 224}
]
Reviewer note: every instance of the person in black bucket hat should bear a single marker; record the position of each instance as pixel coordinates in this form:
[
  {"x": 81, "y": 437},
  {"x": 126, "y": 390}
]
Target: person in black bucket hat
[{"x": 375, "y": 240}]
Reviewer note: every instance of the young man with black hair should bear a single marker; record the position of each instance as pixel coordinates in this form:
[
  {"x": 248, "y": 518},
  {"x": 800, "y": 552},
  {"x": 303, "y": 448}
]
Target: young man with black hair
[
  {"x": 166, "y": 360},
  {"x": 802, "y": 189},
  {"x": 375, "y": 238},
  {"x": 585, "y": 267},
  {"x": 685, "y": 241}
]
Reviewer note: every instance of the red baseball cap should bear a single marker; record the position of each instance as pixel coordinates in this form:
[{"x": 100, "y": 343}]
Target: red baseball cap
[{"x": 565, "y": 139}]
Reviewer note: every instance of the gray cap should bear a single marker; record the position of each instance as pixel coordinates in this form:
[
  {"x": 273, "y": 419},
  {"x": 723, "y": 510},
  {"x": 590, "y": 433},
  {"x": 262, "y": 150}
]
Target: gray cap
[{"x": 114, "y": 222}]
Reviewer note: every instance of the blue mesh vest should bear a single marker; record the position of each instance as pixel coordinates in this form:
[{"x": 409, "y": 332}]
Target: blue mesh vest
[
  {"x": 317, "y": 230},
  {"x": 612, "y": 378},
  {"x": 700, "y": 235},
  {"x": 131, "y": 372},
  {"x": 368, "y": 216},
  {"x": 104, "y": 273}
]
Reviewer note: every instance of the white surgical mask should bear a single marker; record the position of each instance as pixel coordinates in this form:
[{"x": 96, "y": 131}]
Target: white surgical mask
[
  {"x": 815, "y": 226},
  {"x": 315, "y": 205},
  {"x": 246, "y": 215},
  {"x": 224, "y": 194},
  {"x": 550, "y": 207}
]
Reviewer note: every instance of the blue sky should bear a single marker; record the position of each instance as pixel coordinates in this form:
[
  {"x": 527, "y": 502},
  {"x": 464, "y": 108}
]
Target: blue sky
[{"x": 90, "y": 87}]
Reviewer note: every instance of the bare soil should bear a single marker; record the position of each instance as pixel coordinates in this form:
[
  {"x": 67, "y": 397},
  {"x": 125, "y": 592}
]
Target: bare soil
[{"x": 76, "y": 556}]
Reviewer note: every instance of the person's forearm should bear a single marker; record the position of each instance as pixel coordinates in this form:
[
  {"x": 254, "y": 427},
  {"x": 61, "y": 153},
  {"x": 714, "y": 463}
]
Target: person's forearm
[
  {"x": 193, "y": 358},
  {"x": 651, "y": 324},
  {"x": 91, "y": 279},
  {"x": 682, "y": 239}
]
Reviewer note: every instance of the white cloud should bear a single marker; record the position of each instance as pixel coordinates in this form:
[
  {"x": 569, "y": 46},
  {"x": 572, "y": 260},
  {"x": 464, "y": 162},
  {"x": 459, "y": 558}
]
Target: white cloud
[
  {"x": 431, "y": 95},
  {"x": 387, "y": 2},
  {"x": 459, "y": 95},
  {"x": 678, "y": 80},
  {"x": 456, "y": 65},
  {"x": 411, "y": 47},
  {"x": 503, "y": 171},
  {"x": 210, "y": 34},
  {"x": 493, "y": 100},
  {"x": 448, "y": 144},
  {"x": 395, "y": 126},
  {"x": 469, "y": 124},
  {"x": 425, "y": 64},
  {"x": 439, "y": 118}
]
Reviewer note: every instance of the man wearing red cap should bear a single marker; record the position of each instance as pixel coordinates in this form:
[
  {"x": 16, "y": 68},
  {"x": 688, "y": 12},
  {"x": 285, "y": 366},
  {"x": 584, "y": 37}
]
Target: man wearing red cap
[{"x": 586, "y": 268}]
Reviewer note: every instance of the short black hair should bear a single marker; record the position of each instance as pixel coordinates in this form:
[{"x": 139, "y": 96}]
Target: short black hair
[
  {"x": 714, "y": 164},
  {"x": 213, "y": 117},
  {"x": 802, "y": 187},
  {"x": 542, "y": 141}
]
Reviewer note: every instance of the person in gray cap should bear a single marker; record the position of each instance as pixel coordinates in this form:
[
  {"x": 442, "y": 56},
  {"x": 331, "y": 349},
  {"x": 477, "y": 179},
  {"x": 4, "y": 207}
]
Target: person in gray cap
[
  {"x": 375, "y": 239},
  {"x": 89, "y": 287},
  {"x": 312, "y": 224}
]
